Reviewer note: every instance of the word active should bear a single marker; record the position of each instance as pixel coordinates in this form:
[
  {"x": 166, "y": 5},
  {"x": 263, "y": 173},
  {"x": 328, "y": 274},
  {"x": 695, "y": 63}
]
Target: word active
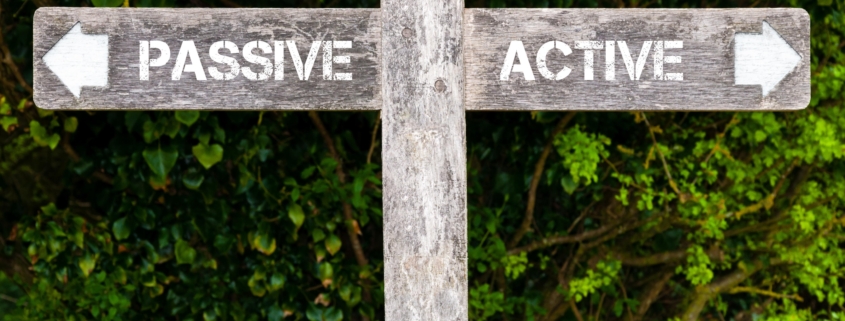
[{"x": 517, "y": 51}]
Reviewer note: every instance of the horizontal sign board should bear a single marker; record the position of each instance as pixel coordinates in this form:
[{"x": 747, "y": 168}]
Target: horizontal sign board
[
  {"x": 228, "y": 59},
  {"x": 515, "y": 59},
  {"x": 637, "y": 59}
]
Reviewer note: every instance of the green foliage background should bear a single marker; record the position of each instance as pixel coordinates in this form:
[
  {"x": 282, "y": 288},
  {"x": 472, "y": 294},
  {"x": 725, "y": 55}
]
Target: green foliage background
[{"x": 572, "y": 216}]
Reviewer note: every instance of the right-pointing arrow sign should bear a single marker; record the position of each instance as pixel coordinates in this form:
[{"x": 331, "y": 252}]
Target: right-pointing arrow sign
[
  {"x": 80, "y": 60},
  {"x": 763, "y": 59}
]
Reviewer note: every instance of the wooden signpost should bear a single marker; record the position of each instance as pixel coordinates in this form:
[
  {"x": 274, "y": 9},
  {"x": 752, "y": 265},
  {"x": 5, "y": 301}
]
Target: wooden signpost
[{"x": 422, "y": 63}]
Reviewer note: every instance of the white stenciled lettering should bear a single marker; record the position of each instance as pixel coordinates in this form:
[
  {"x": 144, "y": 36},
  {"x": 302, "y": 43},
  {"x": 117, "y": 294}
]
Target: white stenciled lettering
[
  {"x": 251, "y": 57},
  {"x": 145, "y": 62},
  {"x": 588, "y": 47},
  {"x": 188, "y": 50},
  {"x": 515, "y": 50},
  {"x": 609, "y": 60},
  {"x": 635, "y": 68},
  {"x": 260, "y": 59},
  {"x": 303, "y": 71},
  {"x": 280, "y": 60},
  {"x": 634, "y": 71},
  {"x": 234, "y": 66},
  {"x": 542, "y": 62},
  {"x": 673, "y": 60},
  {"x": 342, "y": 60}
]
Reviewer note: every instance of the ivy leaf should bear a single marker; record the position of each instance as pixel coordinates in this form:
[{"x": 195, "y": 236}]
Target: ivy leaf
[
  {"x": 39, "y": 135},
  {"x": 187, "y": 117},
  {"x": 333, "y": 243},
  {"x": 193, "y": 179},
  {"x": 264, "y": 243},
  {"x": 8, "y": 122},
  {"x": 185, "y": 254},
  {"x": 314, "y": 313},
  {"x": 277, "y": 281},
  {"x": 160, "y": 160},
  {"x": 70, "y": 124},
  {"x": 87, "y": 263},
  {"x": 568, "y": 184},
  {"x": 325, "y": 273},
  {"x": 275, "y": 314},
  {"x": 121, "y": 229},
  {"x": 332, "y": 314},
  {"x": 208, "y": 155},
  {"x": 318, "y": 234},
  {"x": 296, "y": 215}
]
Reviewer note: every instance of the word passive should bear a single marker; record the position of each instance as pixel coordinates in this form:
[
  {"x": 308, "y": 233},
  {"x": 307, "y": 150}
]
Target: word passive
[
  {"x": 188, "y": 60},
  {"x": 635, "y": 69}
]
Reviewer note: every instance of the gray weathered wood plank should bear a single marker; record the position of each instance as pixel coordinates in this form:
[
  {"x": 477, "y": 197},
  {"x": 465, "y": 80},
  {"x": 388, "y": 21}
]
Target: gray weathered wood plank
[
  {"x": 127, "y": 27},
  {"x": 707, "y": 59},
  {"x": 424, "y": 161}
]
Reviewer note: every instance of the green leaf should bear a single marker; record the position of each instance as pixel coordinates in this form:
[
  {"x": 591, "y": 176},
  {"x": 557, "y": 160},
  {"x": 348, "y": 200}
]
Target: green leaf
[
  {"x": 208, "y": 155},
  {"x": 314, "y": 313},
  {"x": 325, "y": 273},
  {"x": 187, "y": 117},
  {"x": 332, "y": 314},
  {"x": 568, "y": 184},
  {"x": 350, "y": 293},
  {"x": 333, "y": 243},
  {"x": 39, "y": 135},
  {"x": 193, "y": 179},
  {"x": 42, "y": 112},
  {"x": 87, "y": 263},
  {"x": 264, "y": 243},
  {"x": 70, "y": 124},
  {"x": 171, "y": 128},
  {"x": 8, "y": 121},
  {"x": 185, "y": 254},
  {"x": 759, "y": 136},
  {"x": 107, "y": 3},
  {"x": 121, "y": 229},
  {"x": 160, "y": 160},
  {"x": 276, "y": 313},
  {"x": 277, "y": 281},
  {"x": 296, "y": 215},
  {"x": 318, "y": 234}
]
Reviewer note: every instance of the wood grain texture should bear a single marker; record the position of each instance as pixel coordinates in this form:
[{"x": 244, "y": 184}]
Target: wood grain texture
[
  {"x": 127, "y": 27},
  {"x": 707, "y": 59},
  {"x": 424, "y": 161}
]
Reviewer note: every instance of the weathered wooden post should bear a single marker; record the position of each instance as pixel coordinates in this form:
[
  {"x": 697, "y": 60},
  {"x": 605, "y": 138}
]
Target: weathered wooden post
[{"x": 424, "y": 160}]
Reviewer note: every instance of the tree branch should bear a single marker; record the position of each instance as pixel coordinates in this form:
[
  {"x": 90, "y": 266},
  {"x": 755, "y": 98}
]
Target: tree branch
[
  {"x": 352, "y": 224},
  {"x": 535, "y": 181},
  {"x": 373, "y": 139},
  {"x": 651, "y": 293},
  {"x": 352, "y": 227},
  {"x": 741, "y": 289},
  {"x": 707, "y": 292},
  {"x": 563, "y": 239}
]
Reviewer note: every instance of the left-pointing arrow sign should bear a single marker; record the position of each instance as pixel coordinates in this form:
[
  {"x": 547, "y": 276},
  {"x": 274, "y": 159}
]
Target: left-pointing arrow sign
[{"x": 80, "y": 60}]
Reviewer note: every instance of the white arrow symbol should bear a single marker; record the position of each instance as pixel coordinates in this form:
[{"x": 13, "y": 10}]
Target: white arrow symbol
[
  {"x": 763, "y": 59},
  {"x": 80, "y": 60}
]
